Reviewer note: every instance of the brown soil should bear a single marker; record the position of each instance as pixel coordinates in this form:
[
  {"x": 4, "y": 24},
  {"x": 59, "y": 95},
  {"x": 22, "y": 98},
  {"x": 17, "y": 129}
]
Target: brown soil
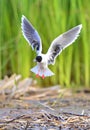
[{"x": 24, "y": 106}]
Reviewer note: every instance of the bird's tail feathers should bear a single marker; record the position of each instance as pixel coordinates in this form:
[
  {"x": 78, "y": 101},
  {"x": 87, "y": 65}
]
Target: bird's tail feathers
[{"x": 42, "y": 72}]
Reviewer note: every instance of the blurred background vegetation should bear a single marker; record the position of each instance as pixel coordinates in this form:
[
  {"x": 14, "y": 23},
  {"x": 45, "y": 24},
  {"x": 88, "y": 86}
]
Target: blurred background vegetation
[{"x": 50, "y": 18}]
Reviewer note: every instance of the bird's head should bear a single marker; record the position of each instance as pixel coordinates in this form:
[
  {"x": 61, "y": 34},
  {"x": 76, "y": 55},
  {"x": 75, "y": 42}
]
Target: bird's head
[{"x": 38, "y": 58}]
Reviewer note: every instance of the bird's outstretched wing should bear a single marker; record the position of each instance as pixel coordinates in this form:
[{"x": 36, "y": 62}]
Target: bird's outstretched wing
[
  {"x": 31, "y": 35},
  {"x": 61, "y": 42}
]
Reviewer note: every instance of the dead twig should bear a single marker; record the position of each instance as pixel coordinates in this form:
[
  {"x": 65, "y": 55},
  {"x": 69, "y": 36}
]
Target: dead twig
[
  {"x": 10, "y": 82},
  {"x": 16, "y": 118},
  {"x": 69, "y": 113},
  {"x": 27, "y": 125}
]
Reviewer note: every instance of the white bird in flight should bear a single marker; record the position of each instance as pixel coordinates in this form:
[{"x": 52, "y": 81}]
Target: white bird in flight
[{"x": 56, "y": 47}]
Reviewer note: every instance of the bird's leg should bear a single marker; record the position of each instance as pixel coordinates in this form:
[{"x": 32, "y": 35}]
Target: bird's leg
[
  {"x": 43, "y": 76},
  {"x": 37, "y": 75}
]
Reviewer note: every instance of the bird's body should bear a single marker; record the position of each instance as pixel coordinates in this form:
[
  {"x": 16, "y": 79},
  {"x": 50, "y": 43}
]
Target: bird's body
[
  {"x": 41, "y": 69},
  {"x": 58, "y": 44}
]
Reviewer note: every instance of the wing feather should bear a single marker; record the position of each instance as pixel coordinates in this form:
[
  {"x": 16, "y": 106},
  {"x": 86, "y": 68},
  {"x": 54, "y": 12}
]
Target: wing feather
[
  {"x": 31, "y": 35},
  {"x": 61, "y": 42}
]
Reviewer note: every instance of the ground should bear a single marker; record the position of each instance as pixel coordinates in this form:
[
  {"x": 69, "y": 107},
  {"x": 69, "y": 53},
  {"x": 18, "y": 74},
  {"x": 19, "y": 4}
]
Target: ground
[{"x": 25, "y": 106}]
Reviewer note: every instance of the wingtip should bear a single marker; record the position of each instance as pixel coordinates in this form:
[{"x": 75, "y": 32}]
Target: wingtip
[
  {"x": 80, "y": 26},
  {"x": 22, "y": 21},
  {"x": 22, "y": 18}
]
